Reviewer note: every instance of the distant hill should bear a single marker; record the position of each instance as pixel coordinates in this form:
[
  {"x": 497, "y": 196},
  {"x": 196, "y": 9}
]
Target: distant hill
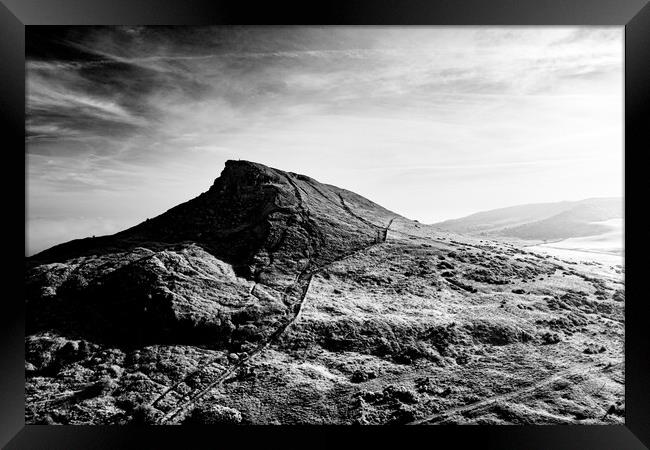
[{"x": 541, "y": 221}]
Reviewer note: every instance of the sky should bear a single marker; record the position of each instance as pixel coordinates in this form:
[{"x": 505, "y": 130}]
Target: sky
[{"x": 432, "y": 123}]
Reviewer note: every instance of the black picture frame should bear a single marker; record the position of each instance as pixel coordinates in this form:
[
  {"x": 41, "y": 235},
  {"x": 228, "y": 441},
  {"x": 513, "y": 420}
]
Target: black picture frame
[{"x": 634, "y": 15}]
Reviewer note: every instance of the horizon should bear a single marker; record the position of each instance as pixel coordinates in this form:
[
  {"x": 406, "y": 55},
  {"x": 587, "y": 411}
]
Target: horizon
[
  {"x": 532, "y": 204},
  {"x": 123, "y": 123},
  {"x": 409, "y": 218}
]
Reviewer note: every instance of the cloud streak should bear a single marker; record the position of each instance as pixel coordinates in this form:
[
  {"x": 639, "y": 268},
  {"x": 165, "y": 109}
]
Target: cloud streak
[{"x": 117, "y": 114}]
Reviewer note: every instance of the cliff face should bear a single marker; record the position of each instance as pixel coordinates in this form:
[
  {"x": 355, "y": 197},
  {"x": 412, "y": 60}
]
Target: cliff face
[{"x": 273, "y": 298}]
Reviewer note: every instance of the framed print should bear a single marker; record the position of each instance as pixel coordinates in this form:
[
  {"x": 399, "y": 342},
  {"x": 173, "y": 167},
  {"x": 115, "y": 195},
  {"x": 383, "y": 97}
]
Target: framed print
[{"x": 355, "y": 220}]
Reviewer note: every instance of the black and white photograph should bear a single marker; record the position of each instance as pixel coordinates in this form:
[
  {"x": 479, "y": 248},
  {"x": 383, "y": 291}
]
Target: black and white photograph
[{"x": 324, "y": 225}]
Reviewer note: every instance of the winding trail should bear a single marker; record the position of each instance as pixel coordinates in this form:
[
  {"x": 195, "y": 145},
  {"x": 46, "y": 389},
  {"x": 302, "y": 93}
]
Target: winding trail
[
  {"x": 294, "y": 297},
  {"x": 358, "y": 217},
  {"x": 579, "y": 370}
]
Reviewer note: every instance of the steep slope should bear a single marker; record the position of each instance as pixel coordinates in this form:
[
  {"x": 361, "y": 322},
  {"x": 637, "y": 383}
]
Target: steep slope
[
  {"x": 252, "y": 226},
  {"x": 249, "y": 217},
  {"x": 542, "y": 221},
  {"x": 272, "y": 298}
]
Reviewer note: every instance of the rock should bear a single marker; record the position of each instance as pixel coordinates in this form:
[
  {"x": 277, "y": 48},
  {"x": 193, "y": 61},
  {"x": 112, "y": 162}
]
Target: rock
[
  {"x": 359, "y": 376},
  {"x": 425, "y": 385},
  {"x": 400, "y": 393},
  {"x": 213, "y": 415},
  {"x": 550, "y": 338},
  {"x": 402, "y": 415},
  {"x": 145, "y": 415},
  {"x": 593, "y": 349}
]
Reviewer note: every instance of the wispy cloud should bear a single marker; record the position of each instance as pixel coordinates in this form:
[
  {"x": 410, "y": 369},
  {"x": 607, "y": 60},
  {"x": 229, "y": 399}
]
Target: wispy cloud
[{"x": 117, "y": 114}]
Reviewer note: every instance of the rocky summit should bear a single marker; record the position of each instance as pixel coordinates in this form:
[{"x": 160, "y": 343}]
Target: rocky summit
[{"x": 272, "y": 298}]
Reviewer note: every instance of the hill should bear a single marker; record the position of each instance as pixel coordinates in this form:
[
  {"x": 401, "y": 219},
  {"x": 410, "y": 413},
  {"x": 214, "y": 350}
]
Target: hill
[
  {"x": 541, "y": 221},
  {"x": 273, "y": 298}
]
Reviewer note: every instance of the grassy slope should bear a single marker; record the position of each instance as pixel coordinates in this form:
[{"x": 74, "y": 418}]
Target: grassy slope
[{"x": 375, "y": 344}]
